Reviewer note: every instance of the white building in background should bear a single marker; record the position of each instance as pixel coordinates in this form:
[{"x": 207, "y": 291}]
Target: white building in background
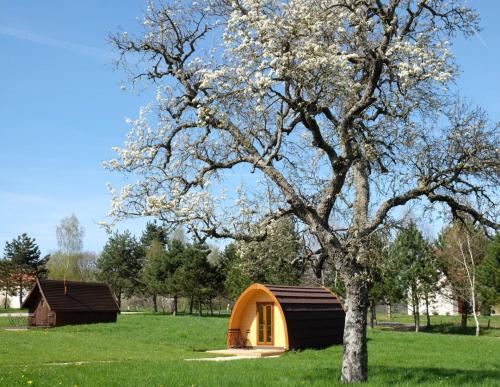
[
  {"x": 440, "y": 303},
  {"x": 12, "y": 301}
]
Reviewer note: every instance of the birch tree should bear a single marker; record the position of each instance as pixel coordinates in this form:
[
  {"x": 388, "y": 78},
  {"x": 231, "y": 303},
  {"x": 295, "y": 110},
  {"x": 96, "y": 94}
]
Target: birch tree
[
  {"x": 462, "y": 249},
  {"x": 340, "y": 108}
]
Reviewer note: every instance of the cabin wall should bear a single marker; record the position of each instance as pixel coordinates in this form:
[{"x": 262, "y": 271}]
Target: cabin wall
[
  {"x": 75, "y": 318},
  {"x": 39, "y": 313},
  {"x": 247, "y": 320}
]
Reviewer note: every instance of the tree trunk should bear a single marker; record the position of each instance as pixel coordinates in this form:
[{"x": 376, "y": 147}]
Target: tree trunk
[
  {"x": 416, "y": 312},
  {"x": 119, "y": 299},
  {"x": 373, "y": 314},
  {"x": 477, "y": 322},
  {"x": 155, "y": 304},
  {"x": 428, "y": 325},
  {"x": 20, "y": 293},
  {"x": 355, "y": 361},
  {"x": 463, "y": 323},
  {"x": 175, "y": 305}
]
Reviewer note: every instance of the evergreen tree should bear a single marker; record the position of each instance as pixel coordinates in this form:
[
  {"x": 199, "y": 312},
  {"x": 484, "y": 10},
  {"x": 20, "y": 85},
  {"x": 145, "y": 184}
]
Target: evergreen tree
[
  {"x": 23, "y": 250},
  {"x": 197, "y": 279},
  {"x": 154, "y": 232},
  {"x": 416, "y": 267},
  {"x": 154, "y": 273},
  {"x": 175, "y": 258},
  {"x": 384, "y": 288},
  {"x": 25, "y": 260},
  {"x": 488, "y": 274},
  {"x": 120, "y": 263}
]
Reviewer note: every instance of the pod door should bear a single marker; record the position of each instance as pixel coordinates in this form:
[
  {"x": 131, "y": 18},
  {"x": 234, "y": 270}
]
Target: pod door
[{"x": 265, "y": 323}]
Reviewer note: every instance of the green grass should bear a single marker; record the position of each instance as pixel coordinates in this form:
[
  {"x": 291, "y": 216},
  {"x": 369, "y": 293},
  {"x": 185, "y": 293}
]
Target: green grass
[{"x": 149, "y": 350}]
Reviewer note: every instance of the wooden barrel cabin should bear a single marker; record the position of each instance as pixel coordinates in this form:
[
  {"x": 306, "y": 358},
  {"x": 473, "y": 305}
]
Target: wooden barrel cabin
[
  {"x": 57, "y": 302},
  {"x": 289, "y": 317}
]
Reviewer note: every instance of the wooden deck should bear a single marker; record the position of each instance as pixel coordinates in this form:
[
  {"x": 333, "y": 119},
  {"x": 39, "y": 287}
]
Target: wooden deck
[{"x": 250, "y": 352}]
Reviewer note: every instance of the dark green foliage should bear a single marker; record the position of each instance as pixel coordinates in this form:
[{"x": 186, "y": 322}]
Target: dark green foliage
[
  {"x": 154, "y": 232},
  {"x": 383, "y": 274},
  {"x": 416, "y": 268},
  {"x": 23, "y": 263},
  {"x": 197, "y": 279},
  {"x": 23, "y": 250},
  {"x": 120, "y": 263},
  {"x": 153, "y": 274},
  {"x": 488, "y": 274}
]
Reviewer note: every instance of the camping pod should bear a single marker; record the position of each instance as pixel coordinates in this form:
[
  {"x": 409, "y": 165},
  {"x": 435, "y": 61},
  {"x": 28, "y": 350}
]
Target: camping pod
[
  {"x": 289, "y": 317},
  {"x": 60, "y": 302}
]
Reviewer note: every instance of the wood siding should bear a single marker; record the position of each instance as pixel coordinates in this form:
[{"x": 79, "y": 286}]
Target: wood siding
[{"x": 247, "y": 321}]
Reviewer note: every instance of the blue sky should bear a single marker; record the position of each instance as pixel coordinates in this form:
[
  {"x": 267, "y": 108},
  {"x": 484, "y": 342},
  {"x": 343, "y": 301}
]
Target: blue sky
[{"x": 61, "y": 109}]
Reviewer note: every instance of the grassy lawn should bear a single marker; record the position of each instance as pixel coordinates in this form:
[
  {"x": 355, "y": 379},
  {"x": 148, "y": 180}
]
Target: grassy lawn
[{"x": 149, "y": 350}]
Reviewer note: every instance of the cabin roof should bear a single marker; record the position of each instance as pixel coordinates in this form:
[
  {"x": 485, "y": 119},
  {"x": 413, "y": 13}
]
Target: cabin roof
[{"x": 63, "y": 295}]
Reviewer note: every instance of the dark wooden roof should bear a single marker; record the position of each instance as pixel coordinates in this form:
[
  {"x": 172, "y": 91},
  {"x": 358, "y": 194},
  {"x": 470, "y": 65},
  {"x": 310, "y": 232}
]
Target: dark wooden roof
[
  {"x": 314, "y": 316},
  {"x": 78, "y": 296}
]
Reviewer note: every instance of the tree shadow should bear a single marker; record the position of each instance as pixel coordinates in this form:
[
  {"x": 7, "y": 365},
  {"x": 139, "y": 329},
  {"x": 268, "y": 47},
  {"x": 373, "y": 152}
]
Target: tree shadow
[
  {"x": 443, "y": 328},
  {"x": 386, "y": 376},
  {"x": 430, "y": 375}
]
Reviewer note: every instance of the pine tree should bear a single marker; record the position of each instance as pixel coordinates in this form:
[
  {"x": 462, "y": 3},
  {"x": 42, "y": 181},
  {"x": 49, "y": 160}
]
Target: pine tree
[
  {"x": 23, "y": 250},
  {"x": 154, "y": 232},
  {"x": 488, "y": 274},
  {"x": 417, "y": 268},
  {"x": 154, "y": 272},
  {"x": 24, "y": 256},
  {"x": 120, "y": 263}
]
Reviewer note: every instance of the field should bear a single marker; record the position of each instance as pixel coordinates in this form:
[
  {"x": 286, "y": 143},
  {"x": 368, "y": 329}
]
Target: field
[{"x": 149, "y": 350}]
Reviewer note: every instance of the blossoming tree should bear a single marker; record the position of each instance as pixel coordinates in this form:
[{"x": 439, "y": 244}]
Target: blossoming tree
[{"x": 339, "y": 107}]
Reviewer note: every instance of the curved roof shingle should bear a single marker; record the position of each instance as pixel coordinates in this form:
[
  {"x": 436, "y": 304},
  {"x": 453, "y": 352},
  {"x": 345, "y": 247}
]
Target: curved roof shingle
[{"x": 314, "y": 315}]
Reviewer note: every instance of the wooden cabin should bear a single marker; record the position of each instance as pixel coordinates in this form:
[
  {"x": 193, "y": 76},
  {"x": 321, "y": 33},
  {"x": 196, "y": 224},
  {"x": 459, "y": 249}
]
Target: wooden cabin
[
  {"x": 289, "y": 317},
  {"x": 57, "y": 302}
]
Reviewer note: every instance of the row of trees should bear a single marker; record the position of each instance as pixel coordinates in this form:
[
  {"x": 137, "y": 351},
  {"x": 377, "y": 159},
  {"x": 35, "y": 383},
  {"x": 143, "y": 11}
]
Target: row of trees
[
  {"x": 462, "y": 265},
  {"x": 405, "y": 267},
  {"x": 156, "y": 264},
  {"x": 159, "y": 264}
]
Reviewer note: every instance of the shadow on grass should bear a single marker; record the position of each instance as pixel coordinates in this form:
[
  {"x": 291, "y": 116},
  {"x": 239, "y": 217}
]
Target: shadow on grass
[
  {"x": 456, "y": 330},
  {"x": 385, "y": 375},
  {"x": 162, "y": 313},
  {"x": 443, "y": 328},
  {"x": 428, "y": 375}
]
